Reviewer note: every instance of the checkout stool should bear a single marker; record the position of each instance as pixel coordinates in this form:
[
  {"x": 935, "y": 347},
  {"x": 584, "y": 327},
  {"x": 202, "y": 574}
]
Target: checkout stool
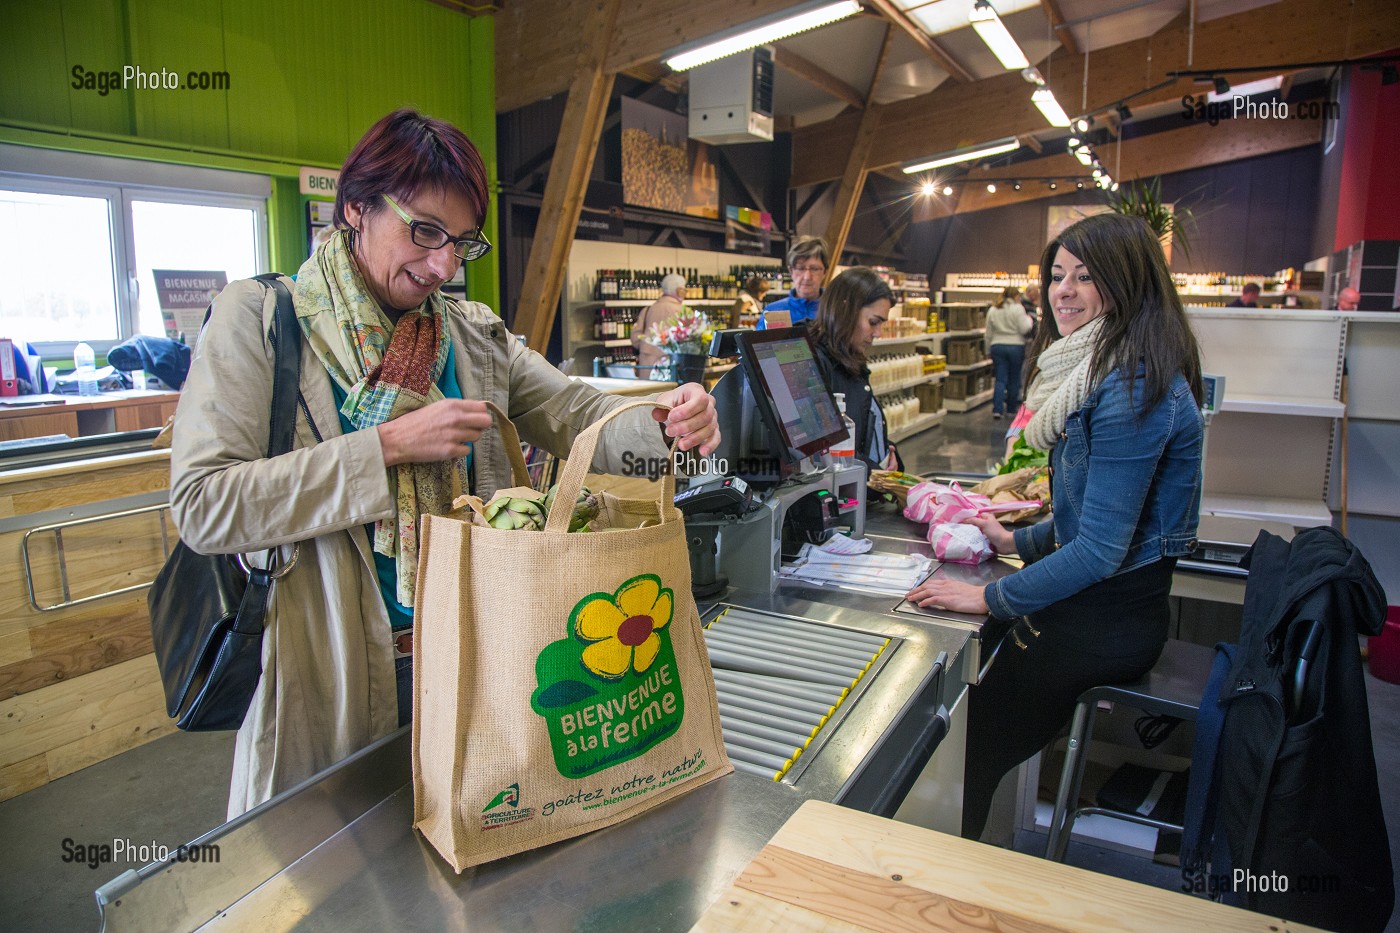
[{"x": 1172, "y": 688}]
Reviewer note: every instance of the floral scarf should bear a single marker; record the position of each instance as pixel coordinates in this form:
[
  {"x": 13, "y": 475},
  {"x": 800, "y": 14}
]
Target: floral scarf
[
  {"x": 386, "y": 370},
  {"x": 1062, "y": 384}
]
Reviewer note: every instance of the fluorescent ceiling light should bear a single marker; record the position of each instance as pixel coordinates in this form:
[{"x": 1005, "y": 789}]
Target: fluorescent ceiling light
[
  {"x": 1044, "y": 98},
  {"x": 762, "y": 33},
  {"x": 989, "y": 26},
  {"x": 965, "y": 155},
  {"x": 944, "y": 16}
]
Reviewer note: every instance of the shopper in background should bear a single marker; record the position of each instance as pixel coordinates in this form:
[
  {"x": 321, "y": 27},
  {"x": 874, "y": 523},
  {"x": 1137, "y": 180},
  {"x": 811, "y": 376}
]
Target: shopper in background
[
  {"x": 1007, "y": 327},
  {"x": 1249, "y": 297},
  {"x": 807, "y": 261},
  {"x": 750, "y": 301},
  {"x": 660, "y": 311},
  {"x": 394, "y": 383},
  {"x": 1348, "y": 299},
  {"x": 1030, "y": 300},
  {"x": 1116, "y": 395},
  {"x": 847, "y": 324}
]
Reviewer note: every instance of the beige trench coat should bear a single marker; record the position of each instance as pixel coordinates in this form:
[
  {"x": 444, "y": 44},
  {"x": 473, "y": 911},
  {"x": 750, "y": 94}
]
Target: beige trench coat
[{"x": 328, "y": 686}]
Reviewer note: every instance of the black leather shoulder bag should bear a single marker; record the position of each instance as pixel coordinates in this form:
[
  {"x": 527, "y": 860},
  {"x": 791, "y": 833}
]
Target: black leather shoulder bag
[{"x": 208, "y": 610}]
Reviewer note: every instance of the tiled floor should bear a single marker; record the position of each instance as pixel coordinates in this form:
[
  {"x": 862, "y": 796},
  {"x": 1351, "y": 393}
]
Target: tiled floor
[{"x": 180, "y": 782}]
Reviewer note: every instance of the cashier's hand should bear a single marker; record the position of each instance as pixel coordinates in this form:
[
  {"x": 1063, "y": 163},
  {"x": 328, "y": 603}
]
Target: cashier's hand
[
  {"x": 949, "y": 594},
  {"x": 1002, "y": 540},
  {"x": 692, "y": 417}
]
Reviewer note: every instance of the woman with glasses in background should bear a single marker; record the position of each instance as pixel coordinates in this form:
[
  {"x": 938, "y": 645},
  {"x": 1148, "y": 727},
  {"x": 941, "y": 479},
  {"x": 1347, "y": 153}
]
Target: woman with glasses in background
[
  {"x": 392, "y": 425},
  {"x": 807, "y": 261}
]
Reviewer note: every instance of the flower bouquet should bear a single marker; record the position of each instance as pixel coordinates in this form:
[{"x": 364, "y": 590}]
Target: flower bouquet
[{"x": 685, "y": 338}]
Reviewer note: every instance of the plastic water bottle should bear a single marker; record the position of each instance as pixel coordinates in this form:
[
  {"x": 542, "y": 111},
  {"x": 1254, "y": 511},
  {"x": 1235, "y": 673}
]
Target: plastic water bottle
[
  {"x": 86, "y": 362},
  {"x": 844, "y": 449}
]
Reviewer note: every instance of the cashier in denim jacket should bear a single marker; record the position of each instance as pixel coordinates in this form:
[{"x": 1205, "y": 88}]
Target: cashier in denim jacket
[{"x": 1116, "y": 391}]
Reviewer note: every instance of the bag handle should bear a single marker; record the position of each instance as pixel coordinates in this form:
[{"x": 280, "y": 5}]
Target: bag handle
[
  {"x": 581, "y": 457},
  {"x": 511, "y": 438}
]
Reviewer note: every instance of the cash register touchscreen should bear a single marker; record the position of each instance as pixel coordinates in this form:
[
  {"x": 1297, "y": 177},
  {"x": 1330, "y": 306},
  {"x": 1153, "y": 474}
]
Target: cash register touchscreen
[{"x": 789, "y": 391}]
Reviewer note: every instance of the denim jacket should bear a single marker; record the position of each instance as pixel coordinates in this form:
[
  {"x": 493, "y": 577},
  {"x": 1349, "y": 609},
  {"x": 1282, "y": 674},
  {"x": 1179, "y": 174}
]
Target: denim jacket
[{"x": 1126, "y": 493}]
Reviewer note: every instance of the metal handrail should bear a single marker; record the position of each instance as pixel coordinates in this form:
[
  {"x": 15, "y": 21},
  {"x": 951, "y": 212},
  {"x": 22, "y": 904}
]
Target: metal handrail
[{"x": 57, "y": 529}]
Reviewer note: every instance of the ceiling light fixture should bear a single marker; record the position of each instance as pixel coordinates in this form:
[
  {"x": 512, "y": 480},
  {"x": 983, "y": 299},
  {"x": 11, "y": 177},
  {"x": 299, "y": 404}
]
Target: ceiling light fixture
[
  {"x": 1079, "y": 185},
  {"x": 965, "y": 155},
  {"x": 1222, "y": 87},
  {"x": 991, "y": 188},
  {"x": 1053, "y": 186},
  {"x": 926, "y": 189},
  {"x": 762, "y": 31},
  {"x": 1016, "y": 186},
  {"x": 1073, "y": 143},
  {"x": 1113, "y": 187},
  {"x": 1044, "y": 98},
  {"x": 1083, "y": 124},
  {"x": 1084, "y": 155},
  {"x": 947, "y": 190},
  {"x": 1124, "y": 113},
  {"x": 989, "y": 26}
]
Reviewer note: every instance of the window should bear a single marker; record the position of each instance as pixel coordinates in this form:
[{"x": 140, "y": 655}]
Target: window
[{"x": 77, "y": 253}]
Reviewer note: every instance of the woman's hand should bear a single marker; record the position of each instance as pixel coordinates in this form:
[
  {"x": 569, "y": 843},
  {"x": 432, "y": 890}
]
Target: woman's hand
[
  {"x": 440, "y": 431},
  {"x": 1001, "y": 538},
  {"x": 692, "y": 417},
  {"x": 949, "y": 594}
]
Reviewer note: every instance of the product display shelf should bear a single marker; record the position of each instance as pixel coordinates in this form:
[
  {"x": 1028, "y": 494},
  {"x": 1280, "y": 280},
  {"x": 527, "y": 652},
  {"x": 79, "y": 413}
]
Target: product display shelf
[
  {"x": 896, "y": 341},
  {"x": 908, "y": 383},
  {"x": 968, "y": 367},
  {"x": 920, "y": 424},
  {"x": 969, "y": 403},
  {"x": 1270, "y": 447},
  {"x": 645, "y": 302}
]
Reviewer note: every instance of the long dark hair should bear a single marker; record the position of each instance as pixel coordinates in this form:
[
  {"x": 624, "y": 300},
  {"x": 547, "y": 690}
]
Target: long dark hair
[
  {"x": 1144, "y": 321},
  {"x": 839, "y": 312}
]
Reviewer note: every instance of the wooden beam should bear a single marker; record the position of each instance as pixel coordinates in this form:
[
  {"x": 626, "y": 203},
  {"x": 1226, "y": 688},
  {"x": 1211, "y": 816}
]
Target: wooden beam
[
  {"x": 809, "y": 71},
  {"x": 584, "y": 113},
  {"x": 930, "y": 48},
  {"x": 1057, "y": 20},
  {"x": 1031, "y": 143},
  {"x": 997, "y": 107},
  {"x": 1195, "y": 145},
  {"x": 852, "y": 182},
  {"x": 853, "y": 179},
  {"x": 538, "y": 41}
]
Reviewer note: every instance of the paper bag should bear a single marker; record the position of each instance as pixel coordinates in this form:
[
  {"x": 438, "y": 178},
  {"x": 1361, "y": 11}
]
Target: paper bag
[{"x": 561, "y": 682}]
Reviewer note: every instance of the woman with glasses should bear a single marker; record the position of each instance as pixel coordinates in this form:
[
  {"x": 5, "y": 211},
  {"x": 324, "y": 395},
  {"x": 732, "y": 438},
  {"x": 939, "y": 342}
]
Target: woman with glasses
[
  {"x": 807, "y": 261},
  {"x": 392, "y": 425}
]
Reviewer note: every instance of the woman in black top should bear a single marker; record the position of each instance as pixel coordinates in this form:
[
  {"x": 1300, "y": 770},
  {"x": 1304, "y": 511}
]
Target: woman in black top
[{"x": 853, "y": 308}]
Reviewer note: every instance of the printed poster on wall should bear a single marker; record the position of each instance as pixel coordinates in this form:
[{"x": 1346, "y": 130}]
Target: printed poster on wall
[
  {"x": 662, "y": 168},
  {"x": 747, "y": 230},
  {"x": 184, "y": 296}
]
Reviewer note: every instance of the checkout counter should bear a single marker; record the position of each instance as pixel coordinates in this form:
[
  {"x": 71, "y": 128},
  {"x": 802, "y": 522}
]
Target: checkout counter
[{"x": 339, "y": 852}]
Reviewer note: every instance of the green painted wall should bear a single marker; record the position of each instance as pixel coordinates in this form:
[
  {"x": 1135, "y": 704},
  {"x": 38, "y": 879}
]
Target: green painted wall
[{"x": 305, "y": 79}]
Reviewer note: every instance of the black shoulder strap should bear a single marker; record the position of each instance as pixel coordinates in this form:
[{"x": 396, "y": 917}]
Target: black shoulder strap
[{"x": 286, "y": 376}]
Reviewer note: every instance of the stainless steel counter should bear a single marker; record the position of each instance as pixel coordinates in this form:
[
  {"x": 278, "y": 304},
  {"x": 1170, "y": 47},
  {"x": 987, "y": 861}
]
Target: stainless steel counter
[{"x": 339, "y": 853}]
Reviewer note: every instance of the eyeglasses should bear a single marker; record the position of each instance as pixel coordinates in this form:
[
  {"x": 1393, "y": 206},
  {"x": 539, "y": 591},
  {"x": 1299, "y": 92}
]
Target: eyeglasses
[
  {"x": 431, "y": 236},
  {"x": 809, "y": 270}
]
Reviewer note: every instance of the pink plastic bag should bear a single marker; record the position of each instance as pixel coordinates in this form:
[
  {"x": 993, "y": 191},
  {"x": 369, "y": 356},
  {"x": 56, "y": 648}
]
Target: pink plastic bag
[
  {"x": 936, "y": 504},
  {"x": 959, "y": 544}
]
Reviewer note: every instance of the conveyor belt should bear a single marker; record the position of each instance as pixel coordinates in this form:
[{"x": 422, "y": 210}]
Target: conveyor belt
[{"x": 780, "y": 681}]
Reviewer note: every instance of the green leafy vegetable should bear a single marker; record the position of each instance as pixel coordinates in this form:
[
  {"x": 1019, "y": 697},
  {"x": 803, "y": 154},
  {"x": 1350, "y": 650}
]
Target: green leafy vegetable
[{"x": 1023, "y": 455}]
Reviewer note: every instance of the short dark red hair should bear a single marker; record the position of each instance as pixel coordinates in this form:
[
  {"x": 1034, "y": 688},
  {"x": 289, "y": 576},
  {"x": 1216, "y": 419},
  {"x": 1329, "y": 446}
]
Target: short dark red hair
[{"x": 405, "y": 153}]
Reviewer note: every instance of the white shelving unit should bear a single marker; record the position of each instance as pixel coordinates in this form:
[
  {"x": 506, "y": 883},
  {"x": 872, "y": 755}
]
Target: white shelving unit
[
  {"x": 899, "y": 341},
  {"x": 968, "y": 367},
  {"x": 1270, "y": 448},
  {"x": 918, "y": 425},
  {"x": 969, "y": 403},
  {"x": 910, "y": 383}
]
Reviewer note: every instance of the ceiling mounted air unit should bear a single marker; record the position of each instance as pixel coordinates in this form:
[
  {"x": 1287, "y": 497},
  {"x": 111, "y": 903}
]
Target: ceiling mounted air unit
[{"x": 731, "y": 100}]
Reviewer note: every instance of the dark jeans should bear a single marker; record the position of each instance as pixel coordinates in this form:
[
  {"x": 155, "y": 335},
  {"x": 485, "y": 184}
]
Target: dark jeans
[
  {"x": 403, "y": 672},
  {"x": 1112, "y": 632},
  {"x": 1007, "y": 359}
]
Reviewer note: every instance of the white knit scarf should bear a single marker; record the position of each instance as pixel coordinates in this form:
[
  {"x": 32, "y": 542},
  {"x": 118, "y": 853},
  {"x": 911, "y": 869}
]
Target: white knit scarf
[{"x": 1062, "y": 384}]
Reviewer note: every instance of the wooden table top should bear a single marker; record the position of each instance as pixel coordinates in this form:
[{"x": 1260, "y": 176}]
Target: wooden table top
[{"x": 833, "y": 869}]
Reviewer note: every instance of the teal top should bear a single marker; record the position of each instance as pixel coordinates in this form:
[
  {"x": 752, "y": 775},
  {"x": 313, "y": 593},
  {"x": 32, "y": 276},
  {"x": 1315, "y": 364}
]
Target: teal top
[{"x": 400, "y": 616}]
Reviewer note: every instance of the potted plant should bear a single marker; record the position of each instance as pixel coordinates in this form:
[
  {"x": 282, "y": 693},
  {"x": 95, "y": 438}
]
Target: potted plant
[{"x": 1172, "y": 223}]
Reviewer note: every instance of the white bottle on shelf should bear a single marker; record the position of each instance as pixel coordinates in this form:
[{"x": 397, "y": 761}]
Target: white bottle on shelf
[{"x": 85, "y": 362}]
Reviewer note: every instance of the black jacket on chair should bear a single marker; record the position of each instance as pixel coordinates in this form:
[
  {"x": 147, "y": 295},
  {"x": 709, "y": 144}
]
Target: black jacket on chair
[{"x": 1295, "y": 798}]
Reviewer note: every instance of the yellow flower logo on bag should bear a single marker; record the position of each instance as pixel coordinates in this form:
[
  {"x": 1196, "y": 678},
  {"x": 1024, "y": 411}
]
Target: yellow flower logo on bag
[{"x": 610, "y": 690}]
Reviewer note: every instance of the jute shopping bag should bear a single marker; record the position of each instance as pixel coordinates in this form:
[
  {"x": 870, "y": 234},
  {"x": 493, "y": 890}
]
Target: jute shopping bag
[{"x": 561, "y": 682}]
